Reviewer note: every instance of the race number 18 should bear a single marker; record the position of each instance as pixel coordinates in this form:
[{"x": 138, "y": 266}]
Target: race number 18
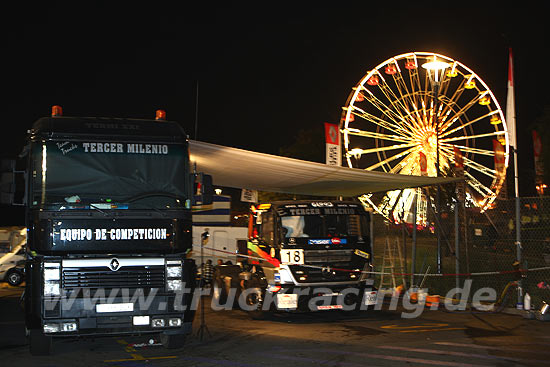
[{"x": 292, "y": 257}]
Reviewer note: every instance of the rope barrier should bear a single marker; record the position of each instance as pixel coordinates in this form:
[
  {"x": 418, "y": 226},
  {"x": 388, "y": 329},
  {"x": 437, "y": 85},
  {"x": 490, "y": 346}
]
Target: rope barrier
[{"x": 501, "y": 272}]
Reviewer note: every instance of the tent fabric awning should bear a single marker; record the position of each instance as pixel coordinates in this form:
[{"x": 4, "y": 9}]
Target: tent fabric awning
[{"x": 239, "y": 168}]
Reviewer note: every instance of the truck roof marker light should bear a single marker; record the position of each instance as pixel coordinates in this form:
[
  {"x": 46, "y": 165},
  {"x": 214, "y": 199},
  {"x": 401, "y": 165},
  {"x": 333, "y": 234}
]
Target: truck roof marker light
[
  {"x": 160, "y": 115},
  {"x": 57, "y": 111}
]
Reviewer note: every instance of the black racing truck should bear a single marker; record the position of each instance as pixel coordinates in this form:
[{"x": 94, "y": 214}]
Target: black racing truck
[
  {"x": 108, "y": 214},
  {"x": 301, "y": 256}
]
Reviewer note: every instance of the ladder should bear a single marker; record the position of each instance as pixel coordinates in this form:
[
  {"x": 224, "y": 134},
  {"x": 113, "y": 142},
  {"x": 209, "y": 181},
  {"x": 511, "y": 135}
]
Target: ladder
[{"x": 392, "y": 263}]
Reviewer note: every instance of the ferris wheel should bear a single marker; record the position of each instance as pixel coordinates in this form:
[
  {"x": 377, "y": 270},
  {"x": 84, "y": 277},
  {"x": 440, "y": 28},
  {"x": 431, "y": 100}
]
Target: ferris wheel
[{"x": 422, "y": 113}]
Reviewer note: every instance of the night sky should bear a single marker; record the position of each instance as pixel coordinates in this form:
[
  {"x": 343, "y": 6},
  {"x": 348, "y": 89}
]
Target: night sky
[{"x": 264, "y": 72}]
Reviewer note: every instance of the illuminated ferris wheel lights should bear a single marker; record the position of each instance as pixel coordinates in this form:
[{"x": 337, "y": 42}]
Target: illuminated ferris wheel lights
[
  {"x": 373, "y": 80},
  {"x": 452, "y": 73},
  {"x": 397, "y": 122},
  {"x": 495, "y": 120},
  {"x": 410, "y": 64},
  {"x": 470, "y": 83}
]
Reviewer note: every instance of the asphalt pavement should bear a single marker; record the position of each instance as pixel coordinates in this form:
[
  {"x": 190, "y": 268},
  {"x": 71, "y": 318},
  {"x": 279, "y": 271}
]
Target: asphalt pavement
[{"x": 327, "y": 338}]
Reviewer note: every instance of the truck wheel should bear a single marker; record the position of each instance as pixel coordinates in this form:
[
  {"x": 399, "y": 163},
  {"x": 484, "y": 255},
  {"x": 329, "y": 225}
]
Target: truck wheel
[
  {"x": 14, "y": 277},
  {"x": 255, "y": 299},
  {"x": 172, "y": 341},
  {"x": 39, "y": 344}
]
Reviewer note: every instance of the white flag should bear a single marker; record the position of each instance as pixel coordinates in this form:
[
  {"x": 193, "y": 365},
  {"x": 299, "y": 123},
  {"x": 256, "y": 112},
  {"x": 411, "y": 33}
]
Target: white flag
[{"x": 510, "y": 108}]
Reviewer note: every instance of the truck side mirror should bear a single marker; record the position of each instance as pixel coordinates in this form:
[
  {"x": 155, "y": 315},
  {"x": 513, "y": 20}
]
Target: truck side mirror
[
  {"x": 203, "y": 190},
  {"x": 10, "y": 180}
]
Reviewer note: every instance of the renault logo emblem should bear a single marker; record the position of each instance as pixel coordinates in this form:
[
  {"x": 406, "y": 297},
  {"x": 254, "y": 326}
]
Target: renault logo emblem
[{"x": 114, "y": 265}]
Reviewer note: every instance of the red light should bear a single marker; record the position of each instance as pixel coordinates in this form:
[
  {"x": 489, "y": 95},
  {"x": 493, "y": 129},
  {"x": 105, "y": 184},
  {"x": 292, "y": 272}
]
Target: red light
[
  {"x": 410, "y": 65},
  {"x": 390, "y": 69},
  {"x": 373, "y": 80},
  {"x": 160, "y": 115},
  {"x": 57, "y": 111}
]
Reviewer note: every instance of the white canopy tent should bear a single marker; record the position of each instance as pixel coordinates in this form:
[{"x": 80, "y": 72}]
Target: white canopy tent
[{"x": 238, "y": 168}]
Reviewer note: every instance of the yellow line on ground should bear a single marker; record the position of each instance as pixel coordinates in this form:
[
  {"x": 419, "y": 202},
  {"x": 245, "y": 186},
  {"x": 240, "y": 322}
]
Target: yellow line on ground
[
  {"x": 412, "y": 327},
  {"x": 135, "y": 356},
  {"x": 427, "y": 330}
]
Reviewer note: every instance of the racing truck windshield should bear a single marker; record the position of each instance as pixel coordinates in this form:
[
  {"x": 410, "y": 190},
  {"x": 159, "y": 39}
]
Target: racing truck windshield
[
  {"x": 322, "y": 226},
  {"x": 105, "y": 175}
]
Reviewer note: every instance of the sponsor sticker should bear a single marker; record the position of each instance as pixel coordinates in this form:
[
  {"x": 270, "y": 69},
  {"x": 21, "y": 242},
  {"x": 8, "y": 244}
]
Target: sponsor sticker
[
  {"x": 287, "y": 300},
  {"x": 330, "y": 307},
  {"x": 328, "y": 241},
  {"x": 370, "y": 298},
  {"x": 364, "y": 254}
]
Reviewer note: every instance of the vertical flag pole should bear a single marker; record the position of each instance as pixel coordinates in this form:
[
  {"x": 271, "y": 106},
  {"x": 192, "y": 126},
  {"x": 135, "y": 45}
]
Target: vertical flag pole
[{"x": 511, "y": 121}]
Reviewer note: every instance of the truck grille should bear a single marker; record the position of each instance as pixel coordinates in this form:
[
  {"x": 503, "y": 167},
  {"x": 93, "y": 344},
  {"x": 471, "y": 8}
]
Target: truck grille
[
  {"x": 127, "y": 277},
  {"x": 340, "y": 258},
  {"x": 327, "y": 257}
]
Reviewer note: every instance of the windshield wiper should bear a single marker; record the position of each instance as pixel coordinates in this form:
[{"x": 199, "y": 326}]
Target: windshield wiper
[
  {"x": 102, "y": 211},
  {"x": 152, "y": 194}
]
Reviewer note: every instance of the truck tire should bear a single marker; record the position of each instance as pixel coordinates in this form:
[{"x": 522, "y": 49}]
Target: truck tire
[
  {"x": 254, "y": 298},
  {"x": 39, "y": 344},
  {"x": 172, "y": 341},
  {"x": 14, "y": 277}
]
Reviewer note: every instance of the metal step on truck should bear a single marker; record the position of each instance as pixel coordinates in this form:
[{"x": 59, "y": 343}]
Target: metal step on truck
[
  {"x": 301, "y": 256},
  {"x": 108, "y": 212}
]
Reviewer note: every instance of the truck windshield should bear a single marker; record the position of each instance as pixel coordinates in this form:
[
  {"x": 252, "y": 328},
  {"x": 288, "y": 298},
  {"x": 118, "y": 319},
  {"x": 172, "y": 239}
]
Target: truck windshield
[
  {"x": 324, "y": 226},
  {"x": 109, "y": 175}
]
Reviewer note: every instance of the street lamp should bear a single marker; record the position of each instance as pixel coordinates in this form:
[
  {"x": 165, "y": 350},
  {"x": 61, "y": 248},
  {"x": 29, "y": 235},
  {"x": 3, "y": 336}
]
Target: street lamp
[{"x": 436, "y": 69}]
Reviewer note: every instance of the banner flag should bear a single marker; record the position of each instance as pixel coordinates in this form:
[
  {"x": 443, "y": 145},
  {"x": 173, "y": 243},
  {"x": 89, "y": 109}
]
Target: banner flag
[{"x": 333, "y": 150}]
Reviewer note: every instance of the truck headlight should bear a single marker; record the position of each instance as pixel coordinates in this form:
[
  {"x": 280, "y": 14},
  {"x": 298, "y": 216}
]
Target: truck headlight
[
  {"x": 51, "y": 289},
  {"x": 173, "y": 275},
  {"x": 173, "y": 271},
  {"x": 158, "y": 323},
  {"x": 51, "y": 328},
  {"x": 52, "y": 277},
  {"x": 69, "y": 326},
  {"x": 174, "y": 285},
  {"x": 174, "y": 322},
  {"x": 51, "y": 274}
]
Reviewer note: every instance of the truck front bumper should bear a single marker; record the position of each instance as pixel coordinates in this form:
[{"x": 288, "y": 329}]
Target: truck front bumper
[
  {"x": 115, "y": 325},
  {"x": 319, "y": 298}
]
